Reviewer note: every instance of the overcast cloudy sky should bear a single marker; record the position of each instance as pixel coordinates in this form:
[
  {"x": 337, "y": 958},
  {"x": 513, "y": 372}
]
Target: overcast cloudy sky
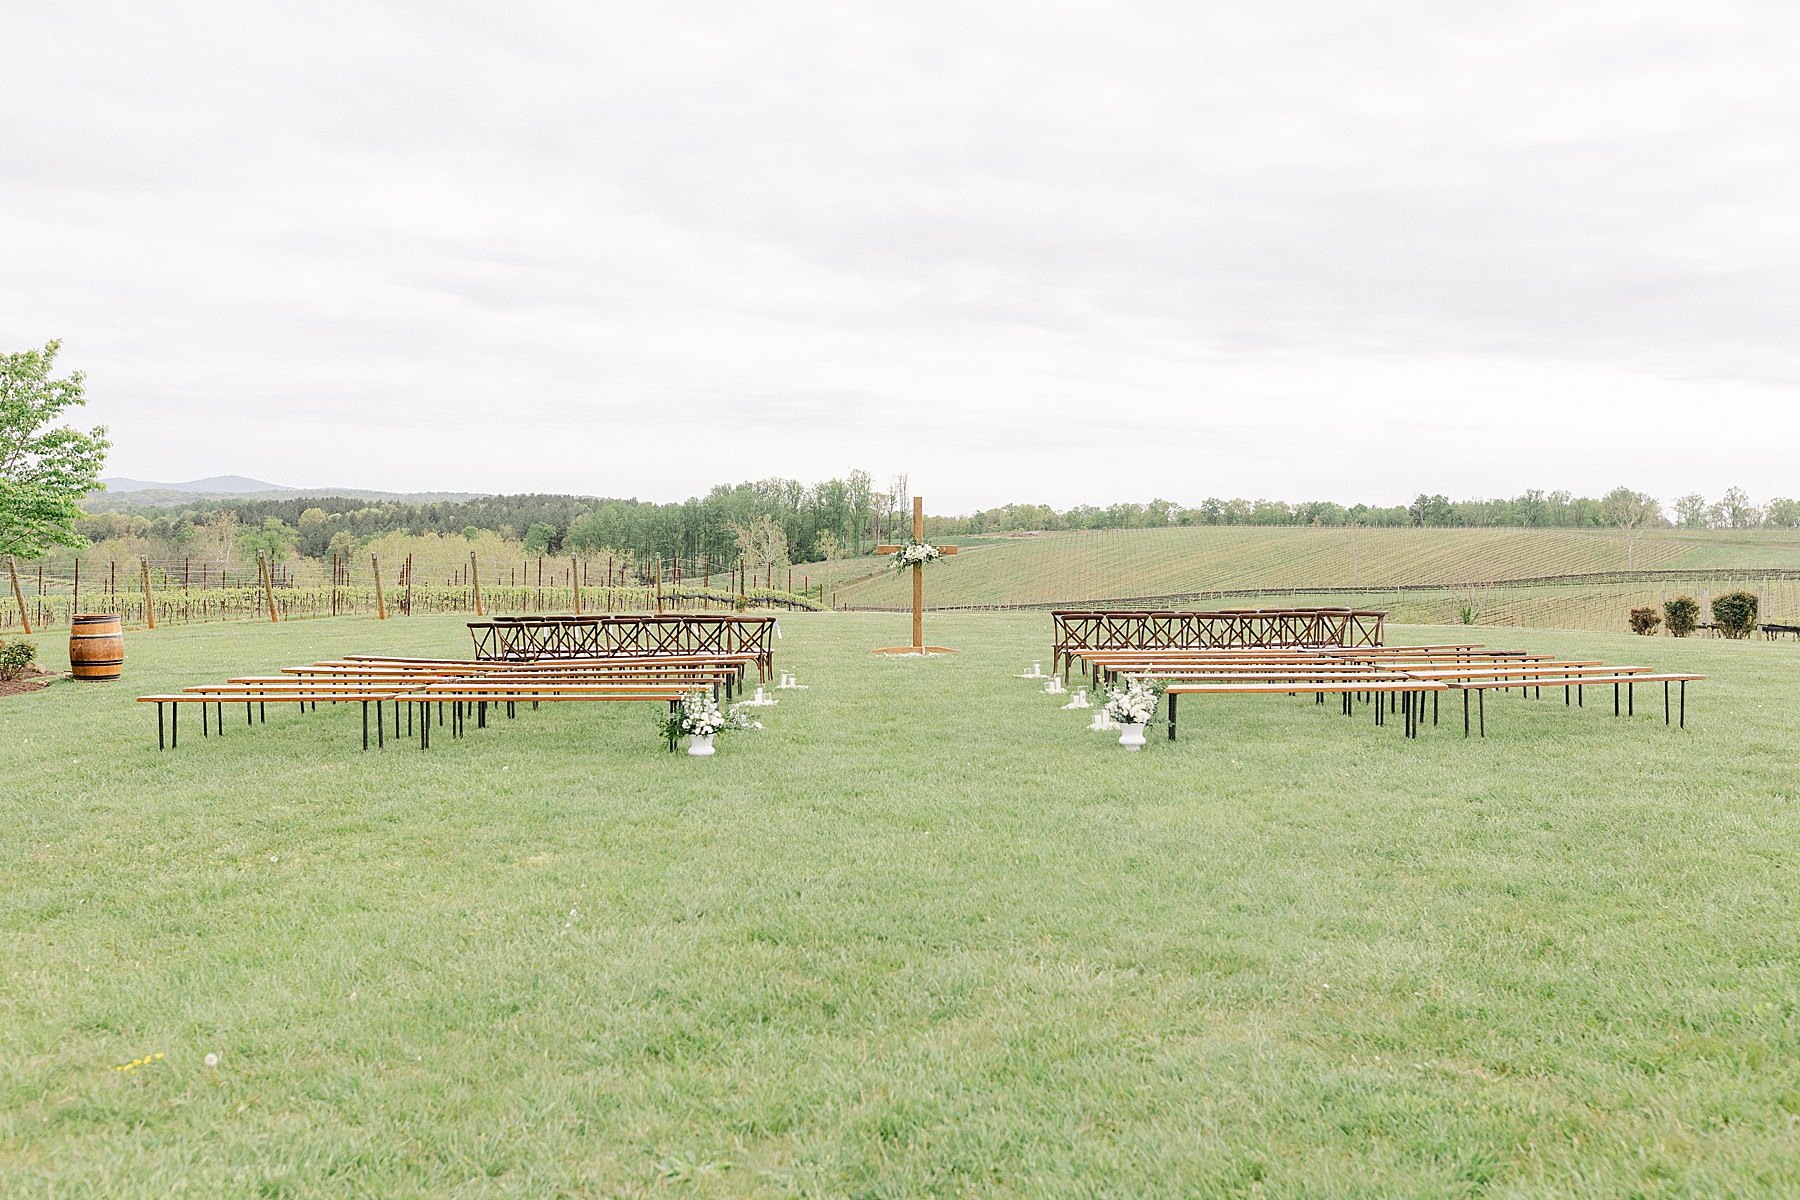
[{"x": 1060, "y": 253}]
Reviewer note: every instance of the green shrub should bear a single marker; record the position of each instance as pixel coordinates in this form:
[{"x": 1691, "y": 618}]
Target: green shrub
[
  {"x": 1645, "y": 620},
  {"x": 1735, "y": 613},
  {"x": 15, "y": 659},
  {"x": 1681, "y": 615},
  {"x": 1466, "y": 615}
]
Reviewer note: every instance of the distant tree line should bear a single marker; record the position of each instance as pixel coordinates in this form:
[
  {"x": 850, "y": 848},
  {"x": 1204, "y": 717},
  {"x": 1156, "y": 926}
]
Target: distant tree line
[
  {"x": 1530, "y": 509},
  {"x": 772, "y": 520},
  {"x": 782, "y": 520}
]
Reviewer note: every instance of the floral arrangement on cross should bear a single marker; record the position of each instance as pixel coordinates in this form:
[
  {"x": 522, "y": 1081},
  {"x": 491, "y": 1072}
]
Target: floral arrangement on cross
[{"x": 913, "y": 554}]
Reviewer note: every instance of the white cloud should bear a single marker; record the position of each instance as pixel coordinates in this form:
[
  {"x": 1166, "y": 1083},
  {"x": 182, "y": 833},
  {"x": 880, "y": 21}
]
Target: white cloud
[{"x": 1073, "y": 253}]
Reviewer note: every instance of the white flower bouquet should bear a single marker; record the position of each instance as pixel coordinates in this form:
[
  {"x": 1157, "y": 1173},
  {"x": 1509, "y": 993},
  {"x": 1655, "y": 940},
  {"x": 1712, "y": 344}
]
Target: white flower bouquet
[
  {"x": 1135, "y": 704},
  {"x": 699, "y": 715},
  {"x": 914, "y": 553}
]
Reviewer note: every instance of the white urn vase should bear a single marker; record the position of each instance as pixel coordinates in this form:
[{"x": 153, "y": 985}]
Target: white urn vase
[
  {"x": 1131, "y": 736},
  {"x": 700, "y": 744}
]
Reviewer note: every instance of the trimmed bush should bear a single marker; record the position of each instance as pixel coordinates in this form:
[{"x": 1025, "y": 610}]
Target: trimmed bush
[
  {"x": 1735, "y": 613},
  {"x": 1681, "y": 615},
  {"x": 15, "y": 659},
  {"x": 1645, "y": 620}
]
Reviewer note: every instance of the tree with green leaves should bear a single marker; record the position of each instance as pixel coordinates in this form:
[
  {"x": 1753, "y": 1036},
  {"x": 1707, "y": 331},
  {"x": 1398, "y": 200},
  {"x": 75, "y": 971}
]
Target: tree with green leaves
[
  {"x": 45, "y": 469},
  {"x": 274, "y": 537}
]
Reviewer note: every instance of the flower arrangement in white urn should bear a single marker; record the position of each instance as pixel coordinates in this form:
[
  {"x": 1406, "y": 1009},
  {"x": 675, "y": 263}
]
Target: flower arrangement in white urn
[
  {"x": 914, "y": 553},
  {"x": 699, "y": 718},
  {"x": 1132, "y": 707}
]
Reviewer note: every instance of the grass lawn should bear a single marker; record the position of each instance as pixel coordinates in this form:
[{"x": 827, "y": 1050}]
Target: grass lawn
[{"x": 923, "y": 935}]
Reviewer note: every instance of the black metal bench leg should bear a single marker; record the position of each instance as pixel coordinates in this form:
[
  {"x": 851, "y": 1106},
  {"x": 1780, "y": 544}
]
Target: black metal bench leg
[
  {"x": 1665, "y": 702},
  {"x": 1172, "y": 699},
  {"x": 1630, "y": 700},
  {"x": 425, "y": 728},
  {"x": 1615, "y": 699},
  {"x": 1465, "y": 693},
  {"x": 249, "y": 717},
  {"x": 380, "y": 727},
  {"x": 1684, "y": 704},
  {"x": 159, "y": 727},
  {"x": 365, "y": 708},
  {"x": 1434, "y": 710},
  {"x": 174, "y": 725},
  {"x": 262, "y": 711},
  {"x": 1481, "y": 704},
  {"x": 203, "y": 719}
]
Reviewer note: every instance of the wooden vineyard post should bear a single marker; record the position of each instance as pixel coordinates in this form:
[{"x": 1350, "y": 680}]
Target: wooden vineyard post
[
  {"x": 918, "y": 589},
  {"x": 475, "y": 583},
  {"x": 268, "y": 582},
  {"x": 149, "y": 605},
  {"x": 380, "y": 600},
  {"x": 659, "y": 606},
  {"x": 24, "y": 618},
  {"x": 575, "y": 583}
]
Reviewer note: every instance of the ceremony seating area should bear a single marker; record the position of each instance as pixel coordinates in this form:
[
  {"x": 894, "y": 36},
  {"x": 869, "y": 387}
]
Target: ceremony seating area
[
  {"x": 1390, "y": 680},
  {"x": 653, "y": 665}
]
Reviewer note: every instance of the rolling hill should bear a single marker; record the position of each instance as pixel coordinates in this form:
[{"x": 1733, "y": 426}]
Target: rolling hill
[{"x": 1113, "y": 565}]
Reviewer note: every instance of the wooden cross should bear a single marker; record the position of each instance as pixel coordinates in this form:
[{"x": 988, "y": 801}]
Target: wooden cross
[{"x": 918, "y": 573}]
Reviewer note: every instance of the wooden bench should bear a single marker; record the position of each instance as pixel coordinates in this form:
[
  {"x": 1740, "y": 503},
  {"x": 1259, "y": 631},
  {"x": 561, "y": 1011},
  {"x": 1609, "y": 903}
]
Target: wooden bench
[
  {"x": 1411, "y": 688},
  {"x": 259, "y": 697},
  {"x": 478, "y": 696},
  {"x": 1577, "y": 682},
  {"x": 404, "y": 693},
  {"x": 1399, "y": 686}
]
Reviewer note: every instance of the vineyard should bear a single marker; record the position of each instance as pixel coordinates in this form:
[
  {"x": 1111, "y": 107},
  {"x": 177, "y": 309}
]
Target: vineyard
[
  {"x": 1500, "y": 576},
  {"x": 1567, "y": 578},
  {"x": 188, "y": 590}
]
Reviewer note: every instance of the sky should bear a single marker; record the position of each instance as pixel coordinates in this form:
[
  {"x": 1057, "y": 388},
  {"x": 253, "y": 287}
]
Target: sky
[{"x": 1049, "y": 253}]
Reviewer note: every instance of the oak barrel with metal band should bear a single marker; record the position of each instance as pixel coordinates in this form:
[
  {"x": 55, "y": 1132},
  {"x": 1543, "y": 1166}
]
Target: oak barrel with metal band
[{"x": 96, "y": 646}]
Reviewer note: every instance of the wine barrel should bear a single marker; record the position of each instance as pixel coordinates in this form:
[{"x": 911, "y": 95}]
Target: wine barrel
[{"x": 96, "y": 646}]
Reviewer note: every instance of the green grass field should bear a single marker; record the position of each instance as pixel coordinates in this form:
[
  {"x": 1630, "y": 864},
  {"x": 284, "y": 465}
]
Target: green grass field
[
  {"x": 1062, "y": 568},
  {"x": 921, "y": 936}
]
